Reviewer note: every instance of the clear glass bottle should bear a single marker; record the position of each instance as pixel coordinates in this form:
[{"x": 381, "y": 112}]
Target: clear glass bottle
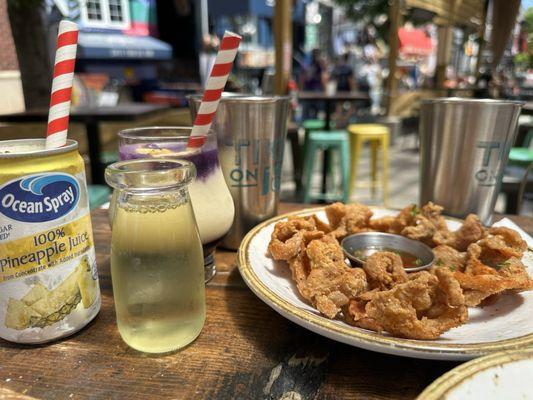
[{"x": 156, "y": 255}]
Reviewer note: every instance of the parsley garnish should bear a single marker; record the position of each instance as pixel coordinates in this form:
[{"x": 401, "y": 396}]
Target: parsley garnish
[
  {"x": 501, "y": 265},
  {"x": 415, "y": 211}
]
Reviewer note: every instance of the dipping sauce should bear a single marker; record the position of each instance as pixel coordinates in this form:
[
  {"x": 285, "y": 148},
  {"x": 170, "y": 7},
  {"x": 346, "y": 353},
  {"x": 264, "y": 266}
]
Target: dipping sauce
[{"x": 408, "y": 260}]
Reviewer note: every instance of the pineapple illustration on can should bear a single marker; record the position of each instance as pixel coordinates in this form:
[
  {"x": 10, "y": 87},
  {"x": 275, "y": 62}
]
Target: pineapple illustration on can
[{"x": 48, "y": 279}]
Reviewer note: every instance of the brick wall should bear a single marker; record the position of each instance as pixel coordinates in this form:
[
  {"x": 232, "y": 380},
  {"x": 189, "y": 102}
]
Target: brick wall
[{"x": 8, "y": 56}]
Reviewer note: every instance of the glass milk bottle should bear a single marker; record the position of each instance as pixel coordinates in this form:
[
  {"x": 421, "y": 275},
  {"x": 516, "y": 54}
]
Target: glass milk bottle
[{"x": 156, "y": 255}]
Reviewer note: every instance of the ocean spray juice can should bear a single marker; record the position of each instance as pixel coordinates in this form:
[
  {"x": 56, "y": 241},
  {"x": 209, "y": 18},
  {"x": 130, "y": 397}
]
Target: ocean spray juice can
[{"x": 48, "y": 279}]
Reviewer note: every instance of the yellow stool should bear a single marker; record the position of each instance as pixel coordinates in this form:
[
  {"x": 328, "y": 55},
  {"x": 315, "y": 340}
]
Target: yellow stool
[{"x": 377, "y": 135}]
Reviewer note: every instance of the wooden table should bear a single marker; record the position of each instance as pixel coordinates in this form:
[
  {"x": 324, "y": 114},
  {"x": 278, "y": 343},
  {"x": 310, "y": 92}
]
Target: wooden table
[
  {"x": 331, "y": 99},
  {"x": 91, "y": 117},
  {"x": 329, "y": 102},
  {"x": 245, "y": 351}
]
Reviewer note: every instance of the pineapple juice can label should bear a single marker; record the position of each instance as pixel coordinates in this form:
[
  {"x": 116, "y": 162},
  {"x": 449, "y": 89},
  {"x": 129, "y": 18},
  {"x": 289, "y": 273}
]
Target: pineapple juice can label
[{"x": 48, "y": 279}]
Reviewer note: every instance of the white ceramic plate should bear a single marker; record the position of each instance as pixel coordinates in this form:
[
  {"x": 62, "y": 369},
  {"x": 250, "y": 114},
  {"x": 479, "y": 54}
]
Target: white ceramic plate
[
  {"x": 506, "y": 325},
  {"x": 505, "y": 375}
]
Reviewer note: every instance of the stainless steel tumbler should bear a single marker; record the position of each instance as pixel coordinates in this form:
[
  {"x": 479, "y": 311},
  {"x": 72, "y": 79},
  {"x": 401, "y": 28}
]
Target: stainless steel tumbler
[
  {"x": 464, "y": 147},
  {"x": 251, "y": 133}
]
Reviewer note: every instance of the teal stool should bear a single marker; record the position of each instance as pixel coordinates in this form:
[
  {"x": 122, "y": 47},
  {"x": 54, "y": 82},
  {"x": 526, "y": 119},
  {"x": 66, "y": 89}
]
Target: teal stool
[
  {"x": 520, "y": 156},
  {"x": 316, "y": 125},
  {"x": 108, "y": 157},
  {"x": 523, "y": 156},
  {"x": 98, "y": 195},
  {"x": 321, "y": 141},
  {"x": 310, "y": 125},
  {"x": 313, "y": 124}
]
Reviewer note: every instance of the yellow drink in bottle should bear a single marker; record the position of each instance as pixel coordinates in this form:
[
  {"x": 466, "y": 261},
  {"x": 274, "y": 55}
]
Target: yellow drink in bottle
[
  {"x": 157, "y": 268},
  {"x": 153, "y": 268}
]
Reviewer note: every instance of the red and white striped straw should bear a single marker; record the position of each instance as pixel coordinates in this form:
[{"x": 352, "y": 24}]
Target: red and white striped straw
[
  {"x": 213, "y": 88},
  {"x": 67, "y": 41}
]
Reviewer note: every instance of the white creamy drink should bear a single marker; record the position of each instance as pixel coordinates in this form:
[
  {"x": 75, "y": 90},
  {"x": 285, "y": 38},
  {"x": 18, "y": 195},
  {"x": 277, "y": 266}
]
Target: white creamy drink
[{"x": 213, "y": 206}]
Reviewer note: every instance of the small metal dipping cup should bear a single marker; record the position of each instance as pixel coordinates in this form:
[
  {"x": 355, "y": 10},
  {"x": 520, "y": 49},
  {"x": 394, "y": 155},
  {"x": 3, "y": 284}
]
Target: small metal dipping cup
[{"x": 365, "y": 240}]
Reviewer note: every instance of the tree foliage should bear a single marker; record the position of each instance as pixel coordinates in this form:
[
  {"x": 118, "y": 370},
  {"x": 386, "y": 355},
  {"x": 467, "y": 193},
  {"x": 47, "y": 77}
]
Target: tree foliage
[
  {"x": 528, "y": 19},
  {"x": 367, "y": 11}
]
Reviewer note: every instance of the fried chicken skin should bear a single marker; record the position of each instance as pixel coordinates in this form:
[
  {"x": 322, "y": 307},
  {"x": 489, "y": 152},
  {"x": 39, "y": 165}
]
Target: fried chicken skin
[
  {"x": 470, "y": 232},
  {"x": 286, "y": 239},
  {"x": 500, "y": 244},
  {"x": 427, "y": 222},
  {"x": 423, "y": 231},
  {"x": 446, "y": 256},
  {"x": 415, "y": 223},
  {"x": 383, "y": 224},
  {"x": 299, "y": 265},
  {"x": 433, "y": 212},
  {"x": 384, "y": 270},
  {"x": 479, "y": 281},
  {"x": 355, "y": 314},
  {"x": 345, "y": 219},
  {"x": 390, "y": 224},
  {"x": 331, "y": 283},
  {"x": 427, "y": 225},
  {"x": 472, "y": 265},
  {"x": 422, "y": 308}
]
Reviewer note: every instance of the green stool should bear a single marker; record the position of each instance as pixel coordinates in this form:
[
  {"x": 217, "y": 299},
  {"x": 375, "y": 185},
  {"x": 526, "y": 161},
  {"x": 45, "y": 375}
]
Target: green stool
[
  {"x": 311, "y": 125},
  {"x": 108, "y": 157},
  {"x": 314, "y": 125},
  {"x": 520, "y": 156},
  {"x": 98, "y": 195},
  {"x": 327, "y": 140}
]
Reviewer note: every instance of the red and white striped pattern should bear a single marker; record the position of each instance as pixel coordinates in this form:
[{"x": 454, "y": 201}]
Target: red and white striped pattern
[
  {"x": 67, "y": 41},
  {"x": 214, "y": 87}
]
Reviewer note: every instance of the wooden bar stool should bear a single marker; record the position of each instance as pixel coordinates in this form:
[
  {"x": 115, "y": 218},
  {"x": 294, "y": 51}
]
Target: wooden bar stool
[
  {"x": 322, "y": 141},
  {"x": 377, "y": 136}
]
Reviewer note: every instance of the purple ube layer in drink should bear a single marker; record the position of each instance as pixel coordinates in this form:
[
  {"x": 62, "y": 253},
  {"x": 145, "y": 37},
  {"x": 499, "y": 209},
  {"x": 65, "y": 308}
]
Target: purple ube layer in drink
[{"x": 205, "y": 159}]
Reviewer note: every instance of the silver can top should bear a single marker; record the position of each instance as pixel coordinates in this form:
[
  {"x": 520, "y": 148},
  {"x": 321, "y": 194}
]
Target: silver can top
[{"x": 25, "y": 148}]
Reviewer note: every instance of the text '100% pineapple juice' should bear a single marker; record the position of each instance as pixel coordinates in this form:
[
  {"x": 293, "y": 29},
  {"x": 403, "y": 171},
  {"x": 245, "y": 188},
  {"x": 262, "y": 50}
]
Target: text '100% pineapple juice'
[
  {"x": 156, "y": 255},
  {"x": 48, "y": 279}
]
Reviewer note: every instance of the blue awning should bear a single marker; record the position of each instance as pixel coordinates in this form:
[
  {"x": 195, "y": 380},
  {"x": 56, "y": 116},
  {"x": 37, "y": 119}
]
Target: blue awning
[
  {"x": 259, "y": 8},
  {"x": 103, "y": 46}
]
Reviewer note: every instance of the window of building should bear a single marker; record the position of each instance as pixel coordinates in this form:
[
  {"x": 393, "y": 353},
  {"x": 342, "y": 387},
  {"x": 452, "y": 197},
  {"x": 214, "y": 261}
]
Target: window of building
[
  {"x": 115, "y": 10},
  {"x": 113, "y": 14}
]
